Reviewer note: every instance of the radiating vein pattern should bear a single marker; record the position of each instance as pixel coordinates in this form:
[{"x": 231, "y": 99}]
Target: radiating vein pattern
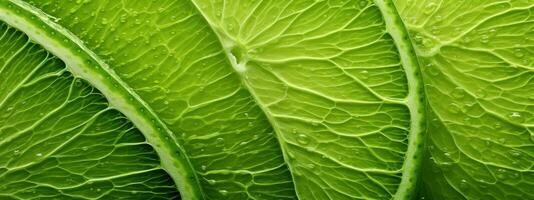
[
  {"x": 59, "y": 139},
  {"x": 252, "y": 87},
  {"x": 167, "y": 53},
  {"x": 479, "y": 70},
  {"x": 328, "y": 76},
  {"x": 275, "y": 99}
]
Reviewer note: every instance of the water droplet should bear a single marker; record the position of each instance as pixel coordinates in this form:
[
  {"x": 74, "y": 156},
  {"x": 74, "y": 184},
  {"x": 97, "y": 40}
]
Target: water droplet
[
  {"x": 484, "y": 39},
  {"x": 497, "y": 125},
  {"x": 212, "y": 182},
  {"x": 365, "y": 74},
  {"x": 223, "y": 192},
  {"x": 516, "y": 117},
  {"x": 219, "y": 142},
  {"x": 39, "y": 154},
  {"x": 85, "y": 148},
  {"x": 466, "y": 40},
  {"x": 515, "y": 153},
  {"x": 434, "y": 30},
  {"x": 493, "y": 31},
  {"x": 445, "y": 166},
  {"x": 463, "y": 184},
  {"x": 303, "y": 139},
  {"x": 203, "y": 167},
  {"x": 501, "y": 173},
  {"x": 487, "y": 142},
  {"x": 519, "y": 53},
  {"x": 291, "y": 155},
  {"x": 515, "y": 114},
  {"x": 16, "y": 152},
  {"x": 298, "y": 173},
  {"x": 363, "y": 3}
]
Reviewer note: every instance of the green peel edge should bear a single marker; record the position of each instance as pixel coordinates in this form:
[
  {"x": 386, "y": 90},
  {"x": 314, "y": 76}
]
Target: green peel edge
[{"x": 415, "y": 99}]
